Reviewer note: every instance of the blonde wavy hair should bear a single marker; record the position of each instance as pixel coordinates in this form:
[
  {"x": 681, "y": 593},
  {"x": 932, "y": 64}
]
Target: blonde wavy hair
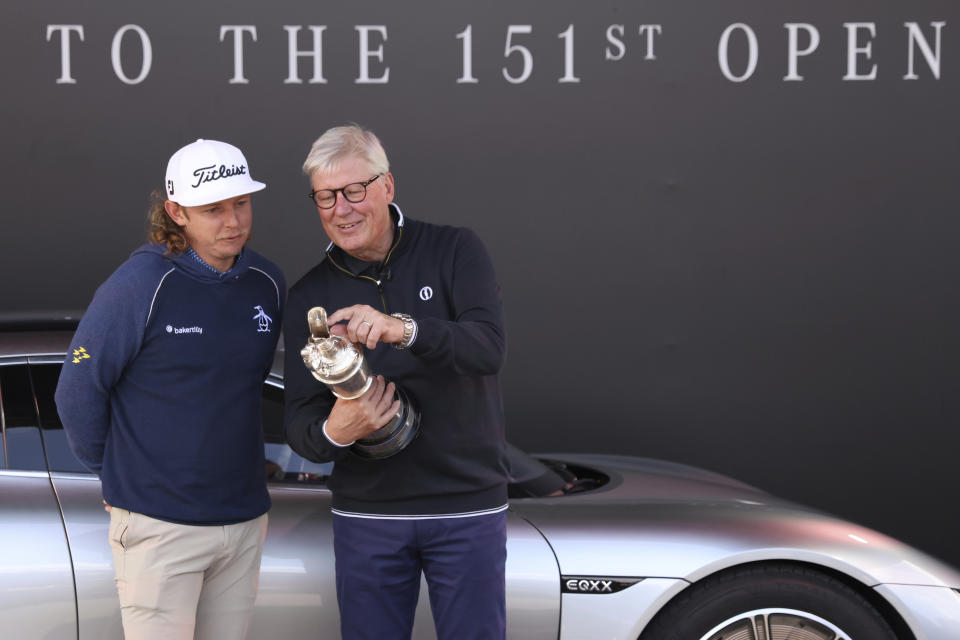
[{"x": 162, "y": 229}]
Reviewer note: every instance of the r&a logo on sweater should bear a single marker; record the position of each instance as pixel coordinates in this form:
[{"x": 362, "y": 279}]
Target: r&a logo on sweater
[{"x": 80, "y": 354}]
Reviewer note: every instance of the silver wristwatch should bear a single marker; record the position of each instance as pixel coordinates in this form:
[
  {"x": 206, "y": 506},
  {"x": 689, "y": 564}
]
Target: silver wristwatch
[{"x": 407, "y": 330}]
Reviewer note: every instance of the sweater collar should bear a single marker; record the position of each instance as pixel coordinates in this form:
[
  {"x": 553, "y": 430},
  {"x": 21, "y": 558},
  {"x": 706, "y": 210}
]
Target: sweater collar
[
  {"x": 192, "y": 264},
  {"x": 190, "y": 253}
]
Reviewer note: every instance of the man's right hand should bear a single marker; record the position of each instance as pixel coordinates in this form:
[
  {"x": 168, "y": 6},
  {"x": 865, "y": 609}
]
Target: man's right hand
[{"x": 351, "y": 420}]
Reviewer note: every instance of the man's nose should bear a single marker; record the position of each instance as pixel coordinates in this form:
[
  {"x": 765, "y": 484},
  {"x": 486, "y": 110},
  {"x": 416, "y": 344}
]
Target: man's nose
[
  {"x": 342, "y": 205},
  {"x": 233, "y": 216}
]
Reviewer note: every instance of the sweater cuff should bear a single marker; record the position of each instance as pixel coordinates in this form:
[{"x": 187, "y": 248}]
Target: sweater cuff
[
  {"x": 413, "y": 337},
  {"x": 330, "y": 440}
]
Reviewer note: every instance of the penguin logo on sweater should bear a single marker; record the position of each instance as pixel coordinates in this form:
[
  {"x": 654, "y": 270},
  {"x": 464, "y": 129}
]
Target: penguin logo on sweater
[{"x": 263, "y": 320}]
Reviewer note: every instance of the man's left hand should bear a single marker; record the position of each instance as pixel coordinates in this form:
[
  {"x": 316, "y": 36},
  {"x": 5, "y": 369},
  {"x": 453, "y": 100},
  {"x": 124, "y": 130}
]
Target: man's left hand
[{"x": 365, "y": 325}]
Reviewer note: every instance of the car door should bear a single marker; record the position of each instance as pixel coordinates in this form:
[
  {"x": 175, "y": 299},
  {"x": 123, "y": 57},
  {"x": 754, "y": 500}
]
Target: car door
[
  {"x": 36, "y": 583},
  {"x": 84, "y": 519}
]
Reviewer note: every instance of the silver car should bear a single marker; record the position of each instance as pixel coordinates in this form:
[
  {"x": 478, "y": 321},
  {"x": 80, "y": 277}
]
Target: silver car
[{"x": 600, "y": 547}]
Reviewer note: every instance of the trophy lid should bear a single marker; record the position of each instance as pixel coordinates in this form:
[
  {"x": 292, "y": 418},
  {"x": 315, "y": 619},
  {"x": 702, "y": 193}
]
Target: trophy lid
[{"x": 331, "y": 358}]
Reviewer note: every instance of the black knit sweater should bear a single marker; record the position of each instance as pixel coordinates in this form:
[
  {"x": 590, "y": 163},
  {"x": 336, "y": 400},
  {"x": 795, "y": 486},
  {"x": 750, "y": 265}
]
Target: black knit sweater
[{"x": 443, "y": 277}]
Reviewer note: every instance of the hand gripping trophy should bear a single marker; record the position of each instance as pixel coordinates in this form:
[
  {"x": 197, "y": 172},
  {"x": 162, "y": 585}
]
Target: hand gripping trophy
[{"x": 340, "y": 365}]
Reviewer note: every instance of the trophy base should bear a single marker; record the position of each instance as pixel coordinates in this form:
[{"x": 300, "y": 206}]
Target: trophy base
[{"x": 393, "y": 437}]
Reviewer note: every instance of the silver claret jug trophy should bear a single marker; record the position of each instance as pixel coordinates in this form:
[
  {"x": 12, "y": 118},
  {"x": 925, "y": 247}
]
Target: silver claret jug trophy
[{"x": 340, "y": 365}]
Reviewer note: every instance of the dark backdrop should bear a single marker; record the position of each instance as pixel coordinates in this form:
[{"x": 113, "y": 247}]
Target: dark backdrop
[{"x": 735, "y": 270}]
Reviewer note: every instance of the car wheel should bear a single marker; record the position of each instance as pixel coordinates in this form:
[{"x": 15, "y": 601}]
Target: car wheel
[{"x": 768, "y": 601}]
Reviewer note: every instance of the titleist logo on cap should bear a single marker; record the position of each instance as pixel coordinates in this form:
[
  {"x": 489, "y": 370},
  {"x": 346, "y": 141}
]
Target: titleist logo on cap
[{"x": 211, "y": 173}]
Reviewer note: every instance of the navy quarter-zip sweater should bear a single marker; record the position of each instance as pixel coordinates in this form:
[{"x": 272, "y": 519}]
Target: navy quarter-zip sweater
[
  {"x": 443, "y": 277},
  {"x": 160, "y": 392}
]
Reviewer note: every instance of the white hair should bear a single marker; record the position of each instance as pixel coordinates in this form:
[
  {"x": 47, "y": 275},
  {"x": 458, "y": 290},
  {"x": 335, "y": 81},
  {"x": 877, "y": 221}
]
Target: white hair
[{"x": 340, "y": 143}]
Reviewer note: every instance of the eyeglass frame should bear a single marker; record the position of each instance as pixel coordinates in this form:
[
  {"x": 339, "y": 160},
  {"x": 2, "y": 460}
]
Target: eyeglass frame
[{"x": 312, "y": 195}]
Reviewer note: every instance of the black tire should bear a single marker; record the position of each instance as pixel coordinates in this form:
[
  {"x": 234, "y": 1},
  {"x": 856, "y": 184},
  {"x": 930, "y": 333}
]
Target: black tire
[{"x": 798, "y": 600}]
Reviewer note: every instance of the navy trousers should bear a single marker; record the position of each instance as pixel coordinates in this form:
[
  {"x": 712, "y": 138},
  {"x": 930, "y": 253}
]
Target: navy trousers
[{"x": 378, "y": 564}]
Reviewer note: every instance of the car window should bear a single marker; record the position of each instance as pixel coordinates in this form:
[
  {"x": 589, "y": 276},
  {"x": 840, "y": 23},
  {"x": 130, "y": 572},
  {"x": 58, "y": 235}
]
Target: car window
[
  {"x": 59, "y": 455},
  {"x": 22, "y": 446}
]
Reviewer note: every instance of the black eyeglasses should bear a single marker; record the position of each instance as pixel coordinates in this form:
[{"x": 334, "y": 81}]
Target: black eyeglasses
[{"x": 354, "y": 192}]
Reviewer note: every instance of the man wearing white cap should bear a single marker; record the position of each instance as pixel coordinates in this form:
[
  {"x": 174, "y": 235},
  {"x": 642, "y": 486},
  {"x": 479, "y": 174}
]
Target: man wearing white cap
[{"x": 160, "y": 396}]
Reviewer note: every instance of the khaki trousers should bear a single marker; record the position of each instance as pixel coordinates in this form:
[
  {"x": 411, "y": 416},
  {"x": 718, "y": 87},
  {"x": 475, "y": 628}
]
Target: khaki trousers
[{"x": 185, "y": 582}]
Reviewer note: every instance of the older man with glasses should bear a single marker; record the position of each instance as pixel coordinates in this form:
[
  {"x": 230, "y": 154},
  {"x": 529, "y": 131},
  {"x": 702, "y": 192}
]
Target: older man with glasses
[{"x": 424, "y": 301}]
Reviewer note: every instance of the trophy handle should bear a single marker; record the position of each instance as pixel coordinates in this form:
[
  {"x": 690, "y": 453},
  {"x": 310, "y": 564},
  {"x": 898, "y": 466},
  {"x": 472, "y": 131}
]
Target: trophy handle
[{"x": 317, "y": 319}]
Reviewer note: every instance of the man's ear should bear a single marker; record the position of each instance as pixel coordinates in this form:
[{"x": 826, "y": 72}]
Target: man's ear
[
  {"x": 389, "y": 186},
  {"x": 177, "y": 213}
]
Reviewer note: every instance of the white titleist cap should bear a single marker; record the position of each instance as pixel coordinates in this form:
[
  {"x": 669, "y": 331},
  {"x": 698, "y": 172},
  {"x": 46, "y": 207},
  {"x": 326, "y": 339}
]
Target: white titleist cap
[{"x": 208, "y": 171}]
